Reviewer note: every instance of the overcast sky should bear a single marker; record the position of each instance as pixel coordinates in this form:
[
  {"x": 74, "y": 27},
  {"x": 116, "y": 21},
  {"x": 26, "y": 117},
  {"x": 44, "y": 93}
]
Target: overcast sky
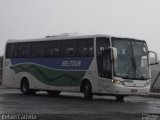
[{"x": 23, "y": 19}]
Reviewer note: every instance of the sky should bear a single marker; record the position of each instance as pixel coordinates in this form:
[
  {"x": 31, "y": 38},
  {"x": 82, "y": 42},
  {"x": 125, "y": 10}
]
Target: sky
[{"x": 27, "y": 19}]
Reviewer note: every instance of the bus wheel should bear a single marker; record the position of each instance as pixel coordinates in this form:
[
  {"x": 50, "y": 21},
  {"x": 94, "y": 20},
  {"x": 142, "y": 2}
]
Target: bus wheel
[
  {"x": 25, "y": 87},
  {"x": 87, "y": 90},
  {"x": 53, "y": 93},
  {"x": 119, "y": 97}
]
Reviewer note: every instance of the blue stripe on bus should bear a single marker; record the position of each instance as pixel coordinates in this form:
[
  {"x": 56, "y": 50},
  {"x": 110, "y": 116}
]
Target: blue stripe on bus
[{"x": 73, "y": 63}]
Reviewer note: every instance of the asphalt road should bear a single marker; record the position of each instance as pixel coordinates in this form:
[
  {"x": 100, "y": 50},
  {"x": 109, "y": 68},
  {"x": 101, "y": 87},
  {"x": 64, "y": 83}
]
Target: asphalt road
[{"x": 72, "y": 106}]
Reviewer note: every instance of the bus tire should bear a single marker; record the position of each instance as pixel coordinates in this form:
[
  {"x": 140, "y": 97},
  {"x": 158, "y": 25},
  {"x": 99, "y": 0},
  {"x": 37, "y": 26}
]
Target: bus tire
[
  {"x": 25, "y": 87},
  {"x": 119, "y": 97},
  {"x": 87, "y": 90},
  {"x": 53, "y": 93}
]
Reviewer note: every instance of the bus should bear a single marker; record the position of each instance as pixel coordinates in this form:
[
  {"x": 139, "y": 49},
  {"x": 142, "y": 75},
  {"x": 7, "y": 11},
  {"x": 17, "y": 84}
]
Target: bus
[{"x": 91, "y": 64}]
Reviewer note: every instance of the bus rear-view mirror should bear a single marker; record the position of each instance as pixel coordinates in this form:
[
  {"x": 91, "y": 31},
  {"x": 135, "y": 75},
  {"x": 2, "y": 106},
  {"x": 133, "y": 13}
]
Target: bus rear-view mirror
[
  {"x": 154, "y": 59},
  {"x": 114, "y": 53}
]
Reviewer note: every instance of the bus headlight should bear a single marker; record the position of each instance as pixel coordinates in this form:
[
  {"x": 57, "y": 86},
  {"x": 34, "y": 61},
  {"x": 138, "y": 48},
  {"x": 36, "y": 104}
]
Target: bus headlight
[{"x": 117, "y": 82}]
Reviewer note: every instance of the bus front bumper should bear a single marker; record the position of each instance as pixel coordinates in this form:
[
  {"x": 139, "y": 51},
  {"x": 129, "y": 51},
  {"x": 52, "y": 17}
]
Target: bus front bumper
[{"x": 125, "y": 90}]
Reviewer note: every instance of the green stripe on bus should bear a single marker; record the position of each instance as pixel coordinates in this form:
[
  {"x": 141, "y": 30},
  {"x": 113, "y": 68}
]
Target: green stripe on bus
[{"x": 51, "y": 76}]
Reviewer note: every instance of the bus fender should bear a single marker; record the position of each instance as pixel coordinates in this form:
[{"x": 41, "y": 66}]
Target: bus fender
[{"x": 24, "y": 78}]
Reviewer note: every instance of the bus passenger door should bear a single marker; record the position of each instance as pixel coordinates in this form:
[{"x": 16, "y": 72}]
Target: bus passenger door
[{"x": 104, "y": 63}]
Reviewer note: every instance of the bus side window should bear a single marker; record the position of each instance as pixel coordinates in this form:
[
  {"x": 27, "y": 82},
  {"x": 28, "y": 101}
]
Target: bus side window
[
  {"x": 38, "y": 49},
  {"x": 24, "y": 50},
  {"x": 13, "y": 50},
  {"x": 68, "y": 48},
  {"x": 52, "y": 49},
  {"x": 85, "y": 47},
  {"x": 8, "y": 50}
]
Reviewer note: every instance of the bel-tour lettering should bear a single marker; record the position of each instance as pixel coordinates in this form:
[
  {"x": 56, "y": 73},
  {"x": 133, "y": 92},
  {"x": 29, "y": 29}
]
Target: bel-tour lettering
[{"x": 71, "y": 63}]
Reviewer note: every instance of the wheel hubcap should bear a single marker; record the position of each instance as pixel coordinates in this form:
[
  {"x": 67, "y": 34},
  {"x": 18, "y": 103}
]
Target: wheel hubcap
[
  {"x": 86, "y": 87},
  {"x": 24, "y": 88}
]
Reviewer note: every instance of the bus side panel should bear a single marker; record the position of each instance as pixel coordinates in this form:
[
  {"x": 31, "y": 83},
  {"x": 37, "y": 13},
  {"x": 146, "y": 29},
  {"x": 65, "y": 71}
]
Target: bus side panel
[
  {"x": 51, "y": 73},
  {"x": 91, "y": 75},
  {"x": 8, "y": 78}
]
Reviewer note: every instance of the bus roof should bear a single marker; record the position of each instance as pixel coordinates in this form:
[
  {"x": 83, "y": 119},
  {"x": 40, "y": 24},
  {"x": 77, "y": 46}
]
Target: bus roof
[{"x": 66, "y": 36}]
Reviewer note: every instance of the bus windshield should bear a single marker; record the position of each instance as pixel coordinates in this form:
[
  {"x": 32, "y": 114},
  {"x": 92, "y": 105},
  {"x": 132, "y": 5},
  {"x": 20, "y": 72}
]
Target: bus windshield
[{"x": 132, "y": 62}]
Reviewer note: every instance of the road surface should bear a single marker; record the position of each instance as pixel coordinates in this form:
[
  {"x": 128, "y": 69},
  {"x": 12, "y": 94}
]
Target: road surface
[{"x": 72, "y": 106}]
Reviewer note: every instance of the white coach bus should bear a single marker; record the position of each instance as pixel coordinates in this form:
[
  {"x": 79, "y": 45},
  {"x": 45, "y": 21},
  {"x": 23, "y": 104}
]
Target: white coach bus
[{"x": 92, "y": 64}]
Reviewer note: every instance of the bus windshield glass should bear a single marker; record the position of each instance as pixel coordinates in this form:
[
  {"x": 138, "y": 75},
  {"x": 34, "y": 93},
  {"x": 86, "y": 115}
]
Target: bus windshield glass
[{"x": 132, "y": 62}]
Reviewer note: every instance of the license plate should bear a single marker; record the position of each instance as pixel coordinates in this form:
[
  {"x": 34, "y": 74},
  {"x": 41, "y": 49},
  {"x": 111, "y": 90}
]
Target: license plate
[{"x": 134, "y": 90}]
